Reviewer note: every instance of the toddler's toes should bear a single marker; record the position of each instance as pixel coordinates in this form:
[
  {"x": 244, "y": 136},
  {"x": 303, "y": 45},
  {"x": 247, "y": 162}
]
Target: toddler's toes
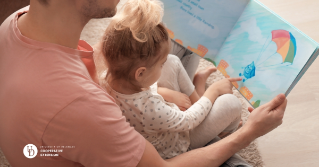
[{"x": 204, "y": 74}]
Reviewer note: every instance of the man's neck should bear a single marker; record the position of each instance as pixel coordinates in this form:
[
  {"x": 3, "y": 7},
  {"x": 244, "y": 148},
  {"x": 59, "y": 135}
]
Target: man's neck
[{"x": 45, "y": 24}]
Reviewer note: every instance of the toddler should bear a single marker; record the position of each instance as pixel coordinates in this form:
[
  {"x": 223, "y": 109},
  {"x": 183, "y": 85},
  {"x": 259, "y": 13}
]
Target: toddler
[{"x": 136, "y": 47}]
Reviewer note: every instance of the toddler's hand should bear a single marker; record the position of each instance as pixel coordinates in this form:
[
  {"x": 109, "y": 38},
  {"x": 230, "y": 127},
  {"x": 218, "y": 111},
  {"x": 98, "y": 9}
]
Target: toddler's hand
[
  {"x": 219, "y": 88},
  {"x": 178, "y": 98},
  {"x": 225, "y": 86},
  {"x": 181, "y": 100}
]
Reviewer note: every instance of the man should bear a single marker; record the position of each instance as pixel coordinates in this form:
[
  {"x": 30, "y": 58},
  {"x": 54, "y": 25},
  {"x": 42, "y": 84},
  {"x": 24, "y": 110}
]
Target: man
[{"x": 48, "y": 97}]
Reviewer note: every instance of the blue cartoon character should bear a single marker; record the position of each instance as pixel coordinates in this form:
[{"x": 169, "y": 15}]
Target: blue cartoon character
[{"x": 249, "y": 71}]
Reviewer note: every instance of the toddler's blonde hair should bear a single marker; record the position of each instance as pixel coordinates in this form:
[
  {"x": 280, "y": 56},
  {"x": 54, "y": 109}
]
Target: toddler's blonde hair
[{"x": 134, "y": 38}]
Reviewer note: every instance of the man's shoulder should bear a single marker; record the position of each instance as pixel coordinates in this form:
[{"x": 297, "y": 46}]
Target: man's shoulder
[
  {"x": 7, "y": 21},
  {"x": 89, "y": 101}
]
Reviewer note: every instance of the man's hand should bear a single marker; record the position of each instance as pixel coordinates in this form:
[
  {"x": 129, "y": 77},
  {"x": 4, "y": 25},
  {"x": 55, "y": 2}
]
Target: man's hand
[
  {"x": 266, "y": 117},
  {"x": 180, "y": 99}
]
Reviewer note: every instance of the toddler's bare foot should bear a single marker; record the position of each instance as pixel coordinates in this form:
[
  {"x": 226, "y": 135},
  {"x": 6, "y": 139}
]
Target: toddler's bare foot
[
  {"x": 240, "y": 124},
  {"x": 204, "y": 74},
  {"x": 200, "y": 79},
  {"x": 225, "y": 134}
]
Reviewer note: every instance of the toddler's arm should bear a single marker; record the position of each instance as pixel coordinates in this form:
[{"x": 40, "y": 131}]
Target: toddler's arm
[{"x": 162, "y": 117}]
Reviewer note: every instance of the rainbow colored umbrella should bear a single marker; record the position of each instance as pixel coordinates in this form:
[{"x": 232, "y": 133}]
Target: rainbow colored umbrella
[{"x": 286, "y": 44}]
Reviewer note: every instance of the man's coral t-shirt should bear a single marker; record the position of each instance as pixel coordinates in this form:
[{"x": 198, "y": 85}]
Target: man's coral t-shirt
[{"x": 47, "y": 98}]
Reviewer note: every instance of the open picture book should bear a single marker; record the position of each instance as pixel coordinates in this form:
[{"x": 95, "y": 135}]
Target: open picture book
[{"x": 243, "y": 38}]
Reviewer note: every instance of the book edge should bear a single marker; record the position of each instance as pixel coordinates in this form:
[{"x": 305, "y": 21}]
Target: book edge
[{"x": 303, "y": 70}]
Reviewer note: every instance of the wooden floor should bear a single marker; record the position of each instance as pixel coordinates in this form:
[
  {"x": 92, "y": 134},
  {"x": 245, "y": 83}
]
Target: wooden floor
[{"x": 296, "y": 142}]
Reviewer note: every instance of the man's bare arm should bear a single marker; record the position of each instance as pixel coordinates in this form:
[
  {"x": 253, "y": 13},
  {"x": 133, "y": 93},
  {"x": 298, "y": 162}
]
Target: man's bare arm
[
  {"x": 264, "y": 119},
  {"x": 212, "y": 155}
]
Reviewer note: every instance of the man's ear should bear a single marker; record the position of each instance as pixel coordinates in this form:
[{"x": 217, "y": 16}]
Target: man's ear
[{"x": 140, "y": 73}]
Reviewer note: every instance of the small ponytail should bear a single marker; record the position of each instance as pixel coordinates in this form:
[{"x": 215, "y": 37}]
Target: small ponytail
[{"x": 140, "y": 16}]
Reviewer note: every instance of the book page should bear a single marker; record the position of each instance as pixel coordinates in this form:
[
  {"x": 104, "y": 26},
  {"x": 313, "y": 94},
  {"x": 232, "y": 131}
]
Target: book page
[
  {"x": 202, "y": 25},
  {"x": 266, "y": 52}
]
